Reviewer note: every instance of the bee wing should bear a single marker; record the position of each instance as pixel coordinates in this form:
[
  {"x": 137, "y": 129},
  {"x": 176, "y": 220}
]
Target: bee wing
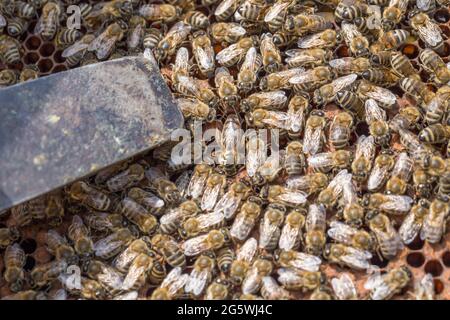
[
  {"x": 424, "y": 5},
  {"x": 341, "y": 178},
  {"x": 397, "y": 204},
  {"x": 318, "y": 160},
  {"x": 229, "y": 53},
  {"x": 307, "y": 76},
  {"x": 251, "y": 60},
  {"x": 111, "y": 278},
  {"x": 45, "y": 21},
  {"x": 205, "y": 57},
  {"x": 177, "y": 284},
  {"x": 103, "y": 45},
  {"x": 255, "y": 157},
  {"x": 270, "y": 99},
  {"x": 382, "y": 95},
  {"x": 311, "y": 140},
  {"x": 381, "y": 291},
  {"x": 197, "y": 282},
  {"x": 223, "y": 6},
  {"x": 266, "y": 232},
  {"x": 172, "y": 216},
  {"x": 289, "y": 236},
  {"x": 252, "y": 282},
  {"x": 74, "y": 49},
  {"x": 374, "y": 112},
  {"x": 377, "y": 178},
  {"x": 195, "y": 245},
  {"x": 171, "y": 277},
  {"x": 123, "y": 260},
  {"x": 240, "y": 229},
  {"x": 293, "y": 197},
  {"x": 343, "y": 82},
  {"x": 298, "y": 182},
  {"x": 431, "y": 33},
  {"x": 210, "y": 219},
  {"x": 311, "y": 41},
  {"x": 197, "y": 185},
  {"x": 410, "y": 228},
  {"x": 365, "y": 147},
  {"x": 275, "y": 10},
  {"x": 299, "y": 58},
  {"x": 3, "y": 21},
  {"x": 341, "y": 232},
  {"x": 135, "y": 37},
  {"x": 344, "y": 288},
  {"x": 182, "y": 60},
  {"x": 374, "y": 281},
  {"x": 403, "y": 167},
  {"x": 228, "y": 204},
  {"x": 341, "y": 63},
  {"x": 132, "y": 295},
  {"x": 179, "y": 31},
  {"x": 210, "y": 197},
  {"x": 104, "y": 246},
  {"x": 273, "y": 290},
  {"x": 357, "y": 258},
  {"x": 424, "y": 289},
  {"x": 316, "y": 217},
  {"x": 288, "y": 276},
  {"x": 306, "y": 262},
  {"x": 296, "y": 120},
  {"x": 248, "y": 250},
  {"x": 276, "y": 119}
]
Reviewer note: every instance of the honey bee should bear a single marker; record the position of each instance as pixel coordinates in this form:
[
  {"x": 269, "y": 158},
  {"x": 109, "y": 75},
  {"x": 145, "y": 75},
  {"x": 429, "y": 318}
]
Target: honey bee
[
  {"x": 311, "y": 79},
  {"x": 231, "y": 200},
  {"x": 364, "y": 156},
  {"x": 29, "y": 73},
  {"x": 401, "y": 174},
  {"x": 137, "y": 273},
  {"x": 380, "y": 76},
  {"x": 75, "y": 53},
  {"x": 428, "y": 31},
  {"x": 153, "y": 204},
  {"x": 196, "y": 225},
  {"x": 330, "y": 195},
  {"x": 435, "y": 109},
  {"x": 444, "y": 181},
  {"x": 231, "y": 146},
  {"x": 314, "y": 133},
  {"x": 275, "y": 15},
  {"x": 292, "y": 279},
  {"x": 226, "y": 9},
  {"x": 203, "y": 53},
  {"x": 384, "y": 97},
  {"x": 413, "y": 222},
  {"x": 298, "y": 261},
  {"x": 389, "y": 241},
  {"x": 218, "y": 290},
  {"x": 256, "y": 154},
  {"x": 200, "y": 276},
  {"x": 102, "y": 221},
  {"x": 434, "y": 134},
  {"x": 302, "y": 24},
  {"x": 424, "y": 289},
  {"x": 172, "y": 285},
  {"x": 172, "y": 40},
  {"x": 266, "y": 100},
  {"x": 379, "y": 174},
  {"x": 14, "y": 259},
  {"x": 67, "y": 37},
  {"x": 193, "y": 87},
  {"x": 282, "y": 38},
  {"x": 310, "y": 183},
  {"x": 244, "y": 259},
  {"x": 138, "y": 215},
  {"x": 193, "y": 108},
  {"x": 89, "y": 196},
  {"x": 376, "y": 118},
  {"x": 252, "y": 10},
  {"x": 434, "y": 224},
  {"x": 213, "y": 192},
  {"x": 385, "y": 286},
  {"x": 344, "y": 288},
  {"x": 417, "y": 89},
  {"x": 123, "y": 261},
  {"x": 8, "y": 77},
  {"x": 285, "y": 196},
  {"x": 245, "y": 220},
  {"x": 213, "y": 240},
  {"x": 106, "y": 276},
  {"x": 350, "y": 10},
  {"x": 350, "y": 236},
  {"x": 394, "y": 13},
  {"x": 358, "y": 44},
  {"x": 165, "y": 189},
  {"x": 402, "y": 66},
  {"x": 48, "y": 23},
  {"x": 248, "y": 72},
  {"x": 107, "y": 11},
  {"x": 196, "y": 19},
  {"x": 340, "y": 130},
  {"x": 307, "y": 57},
  {"x": 253, "y": 279},
  {"x": 227, "y": 90},
  {"x": 126, "y": 178},
  {"x": 225, "y": 258},
  {"x": 113, "y": 244},
  {"x": 271, "y": 290},
  {"x": 24, "y": 10},
  {"x": 151, "y": 38},
  {"x": 261, "y": 118},
  {"x": 422, "y": 183},
  {"x": 325, "y": 39},
  {"x": 10, "y": 49},
  {"x": 315, "y": 229},
  {"x": 349, "y": 65},
  {"x": 270, "y": 54},
  {"x": 291, "y": 233},
  {"x": 170, "y": 250},
  {"x": 328, "y": 92},
  {"x": 104, "y": 44},
  {"x": 59, "y": 247},
  {"x": 327, "y": 161},
  {"x": 270, "y": 227},
  {"x": 8, "y": 236},
  {"x": 295, "y": 160},
  {"x": 235, "y": 52},
  {"x": 170, "y": 221},
  {"x": 16, "y": 26},
  {"x": 393, "y": 39},
  {"x": 136, "y": 33},
  {"x": 44, "y": 274},
  {"x": 348, "y": 256},
  {"x": 79, "y": 234},
  {"x": 228, "y": 32}
]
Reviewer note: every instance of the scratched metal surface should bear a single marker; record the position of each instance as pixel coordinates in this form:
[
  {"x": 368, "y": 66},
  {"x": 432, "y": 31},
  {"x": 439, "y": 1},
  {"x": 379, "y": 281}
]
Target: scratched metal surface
[{"x": 60, "y": 128}]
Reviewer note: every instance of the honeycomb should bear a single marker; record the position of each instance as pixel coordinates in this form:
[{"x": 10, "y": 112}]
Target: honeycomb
[{"x": 421, "y": 257}]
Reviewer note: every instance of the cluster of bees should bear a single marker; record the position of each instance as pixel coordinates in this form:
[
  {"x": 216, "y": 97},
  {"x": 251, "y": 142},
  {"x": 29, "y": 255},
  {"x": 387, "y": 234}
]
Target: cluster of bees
[{"x": 363, "y": 170}]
